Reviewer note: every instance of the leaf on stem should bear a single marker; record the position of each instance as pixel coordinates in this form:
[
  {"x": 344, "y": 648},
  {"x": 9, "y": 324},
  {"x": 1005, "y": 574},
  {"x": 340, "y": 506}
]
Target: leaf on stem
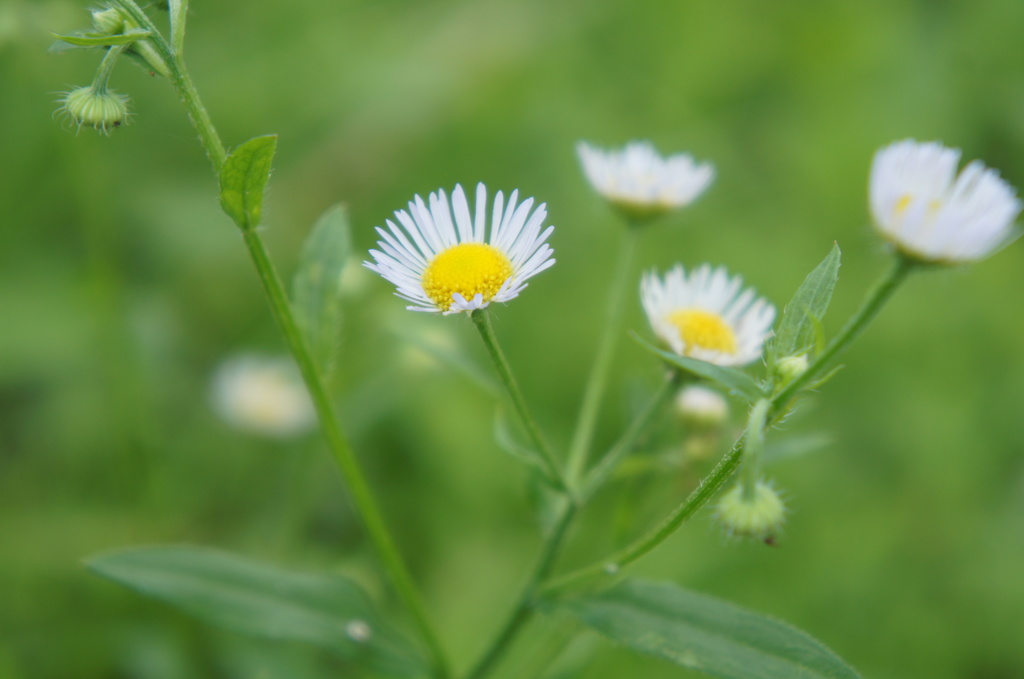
[
  {"x": 801, "y": 321},
  {"x": 705, "y": 634},
  {"x": 252, "y": 598},
  {"x": 243, "y": 180},
  {"x": 316, "y": 287},
  {"x": 731, "y": 379},
  {"x": 103, "y": 39}
]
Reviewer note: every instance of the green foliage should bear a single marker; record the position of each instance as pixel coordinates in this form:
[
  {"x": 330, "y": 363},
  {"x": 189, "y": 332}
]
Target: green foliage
[
  {"x": 801, "y": 320},
  {"x": 103, "y": 39},
  {"x": 243, "y": 180},
  {"x": 706, "y": 634},
  {"x": 736, "y": 382},
  {"x": 256, "y": 599},
  {"x": 316, "y": 287}
]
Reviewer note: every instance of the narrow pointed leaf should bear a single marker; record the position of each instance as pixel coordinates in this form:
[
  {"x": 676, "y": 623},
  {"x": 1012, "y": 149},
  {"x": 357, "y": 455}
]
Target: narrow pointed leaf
[
  {"x": 735, "y": 381},
  {"x": 802, "y": 317},
  {"x": 243, "y": 180},
  {"x": 316, "y": 288},
  {"x": 259, "y": 600},
  {"x": 102, "y": 39},
  {"x": 705, "y": 634}
]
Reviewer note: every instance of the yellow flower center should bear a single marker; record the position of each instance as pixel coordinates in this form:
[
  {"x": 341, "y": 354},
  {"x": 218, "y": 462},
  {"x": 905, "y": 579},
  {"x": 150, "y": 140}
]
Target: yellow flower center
[
  {"x": 703, "y": 330},
  {"x": 467, "y": 269},
  {"x": 934, "y": 205}
]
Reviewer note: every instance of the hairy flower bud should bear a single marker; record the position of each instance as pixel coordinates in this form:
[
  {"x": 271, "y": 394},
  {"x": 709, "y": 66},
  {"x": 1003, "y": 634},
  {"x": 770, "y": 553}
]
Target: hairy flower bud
[
  {"x": 758, "y": 514},
  {"x": 95, "y": 107},
  {"x": 108, "y": 21},
  {"x": 791, "y": 367}
]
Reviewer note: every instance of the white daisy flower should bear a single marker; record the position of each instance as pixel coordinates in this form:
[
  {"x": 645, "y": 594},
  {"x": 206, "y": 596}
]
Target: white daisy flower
[
  {"x": 448, "y": 265},
  {"x": 932, "y": 215},
  {"x": 706, "y": 316},
  {"x": 263, "y": 395},
  {"x": 640, "y": 182}
]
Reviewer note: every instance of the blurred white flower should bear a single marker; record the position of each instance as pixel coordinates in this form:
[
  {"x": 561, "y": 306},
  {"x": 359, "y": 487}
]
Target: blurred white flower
[
  {"x": 263, "y": 395},
  {"x": 706, "y": 316},
  {"x": 640, "y": 182},
  {"x": 445, "y": 265},
  {"x": 701, "y": 407},
  {"x": 931, "y": 214}
]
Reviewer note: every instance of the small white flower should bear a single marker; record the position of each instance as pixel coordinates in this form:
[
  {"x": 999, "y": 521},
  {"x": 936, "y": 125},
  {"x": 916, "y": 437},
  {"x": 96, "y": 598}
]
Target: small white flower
[
  {"x": 701, "y": 407},
  {"x": 705, "y": 316},
  {"x": 931, "y": 214},
  {"x": 640, "y": 182},
  {"x": 447, "y": 265},
  {"x": 263, "y": 395}
]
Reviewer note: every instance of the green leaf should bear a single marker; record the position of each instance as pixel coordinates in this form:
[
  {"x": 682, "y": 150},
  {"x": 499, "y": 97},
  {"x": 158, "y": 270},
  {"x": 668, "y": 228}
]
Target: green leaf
[
  {"x": 705, "y": 634},
  {"x": 797, "y": 329},
  {"x": 735, "y": 381},
  {"x": 243, "y": 180},
  {"x": 316, "y": 288},
  {"x": 103, "y": 39},
  {"x": 259, "y": 600}
]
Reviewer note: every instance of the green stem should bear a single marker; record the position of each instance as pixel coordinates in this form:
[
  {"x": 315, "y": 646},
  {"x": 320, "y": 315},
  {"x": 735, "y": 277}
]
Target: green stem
[
  {"x": 482, "y": 320},
  {"x": 611, "y": 565},
  {"x": 525, "y": 605},
  {"x": 600, "y": 473},
  {"x": 753, "y": 448},
  {"x": 106, "y": 67},
  {"x": 873, "y": 303},
  {"x": 584, "y": 434},
  {"x": 183, "y": 85},
  {"x": 362, "y": 496},
  {"x": 522, "y": 611}
]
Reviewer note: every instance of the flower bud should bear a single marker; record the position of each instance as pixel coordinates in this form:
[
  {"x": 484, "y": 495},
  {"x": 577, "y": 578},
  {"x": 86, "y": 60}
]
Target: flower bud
[
  {"x": 791, "y": 367},
  {"x": 701, "y": 408},
  {"x": 108, "y": 21},
  {"x": 758, "y": 515},
  {"x": 94, "y": 107}
]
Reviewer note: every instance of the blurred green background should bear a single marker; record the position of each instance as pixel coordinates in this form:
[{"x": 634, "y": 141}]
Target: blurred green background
[{"x": 122, "y": 287}]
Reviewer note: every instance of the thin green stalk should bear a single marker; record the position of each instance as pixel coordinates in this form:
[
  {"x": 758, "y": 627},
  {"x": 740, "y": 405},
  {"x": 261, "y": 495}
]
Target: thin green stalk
[
  {"x": 603, "y": 469},
  {"x": 342, "y": 453},
  {"x": 183, "y": 85},
  {"x": 362, "y": 496},
  {"x": 596, "y": 383},
  {"x": 613, "y": 564},
  {"x": 523, "y": 609},
  {"x": 106, "y": 67},
  {"x": 525, "y": 605},
  {"x": 753, "y": 449},
  {"x": 482, "y": 320},
  {"x": 873, "y": 303}
]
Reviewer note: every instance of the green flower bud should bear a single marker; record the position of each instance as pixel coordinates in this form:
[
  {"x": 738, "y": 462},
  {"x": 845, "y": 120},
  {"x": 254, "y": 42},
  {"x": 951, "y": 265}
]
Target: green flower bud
[
  {"x": 758, "y": 515},
  {"x": 791, "y": 367},
  {"x": 108, "y": 21},
  {"x": 95, "y": 107}
]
